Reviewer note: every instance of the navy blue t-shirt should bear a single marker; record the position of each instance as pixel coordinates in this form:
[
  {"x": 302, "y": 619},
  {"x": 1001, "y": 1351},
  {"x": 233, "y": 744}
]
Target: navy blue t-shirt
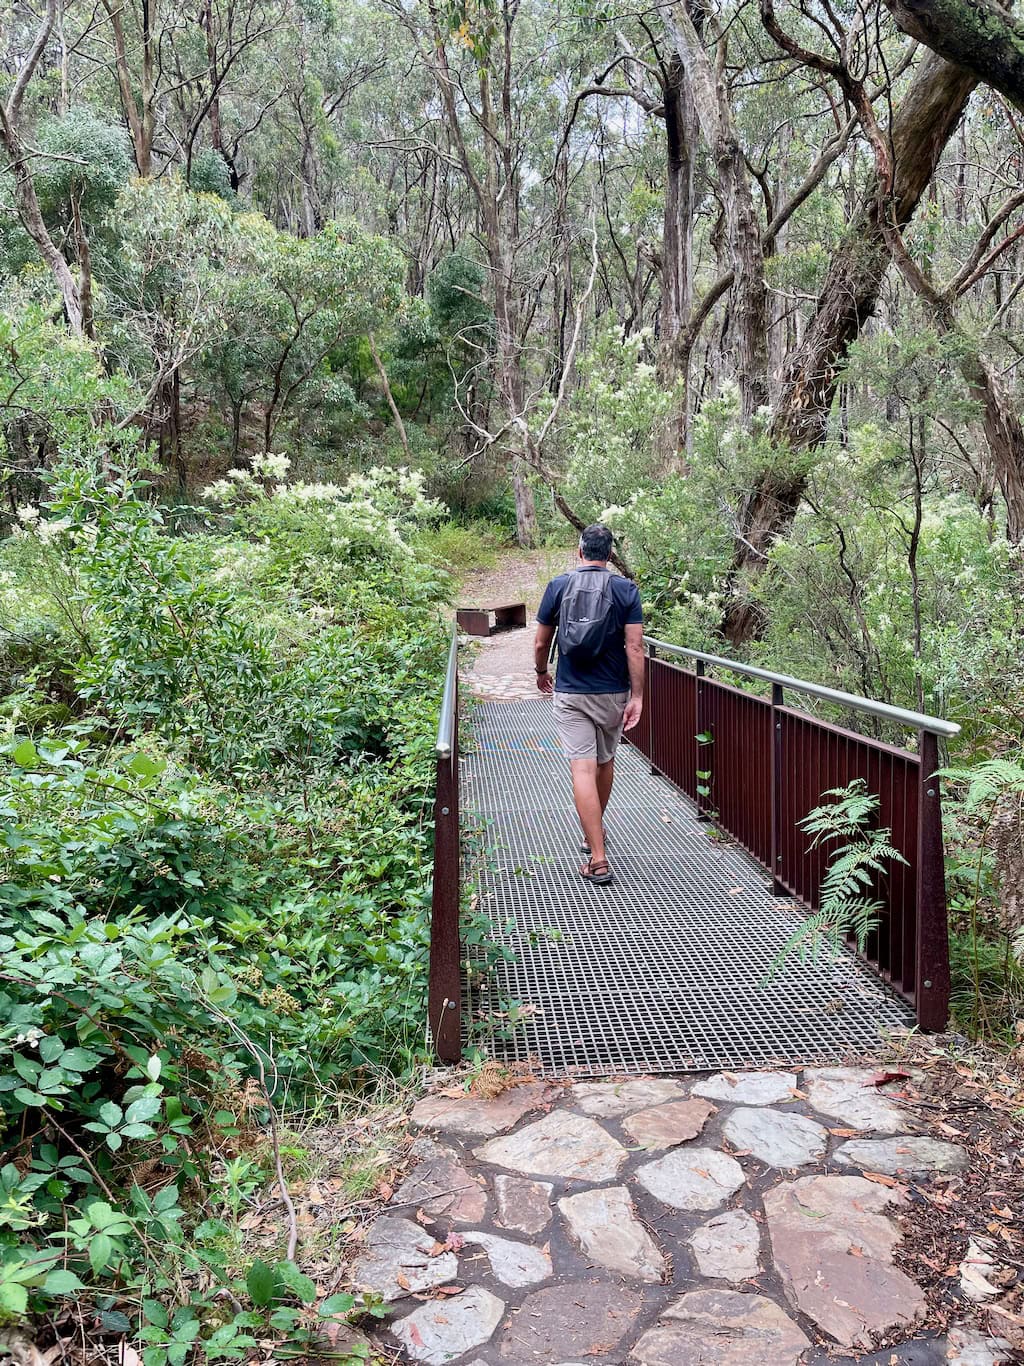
[{"x": 610, "y": 672}]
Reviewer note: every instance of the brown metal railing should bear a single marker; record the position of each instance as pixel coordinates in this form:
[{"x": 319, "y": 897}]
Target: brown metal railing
[
  {"x": 759, "y": 766},
  {"x": 444, "y": 991}
]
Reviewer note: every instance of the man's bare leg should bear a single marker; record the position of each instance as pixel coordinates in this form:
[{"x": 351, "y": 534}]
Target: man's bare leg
[
  {"x": 605, "y": 778},
  {"x": 587, "y": 797}
]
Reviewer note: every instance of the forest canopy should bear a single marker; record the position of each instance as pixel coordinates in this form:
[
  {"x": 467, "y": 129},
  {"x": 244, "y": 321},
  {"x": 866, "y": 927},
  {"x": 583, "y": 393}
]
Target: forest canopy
[{"x": 302, "y": 303}]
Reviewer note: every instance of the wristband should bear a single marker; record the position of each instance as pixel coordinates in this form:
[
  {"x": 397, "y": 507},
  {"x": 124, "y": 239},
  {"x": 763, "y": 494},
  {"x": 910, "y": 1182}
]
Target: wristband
[{"x": 540, "y": 672}]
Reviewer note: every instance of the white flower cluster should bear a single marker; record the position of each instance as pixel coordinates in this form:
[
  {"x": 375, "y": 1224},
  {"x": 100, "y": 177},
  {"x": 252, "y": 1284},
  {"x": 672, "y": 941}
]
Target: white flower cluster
[
  {"x": 33, "y": 523},
  {"x": 270, "y": 466},
  {"x": 240, "y": 561}
]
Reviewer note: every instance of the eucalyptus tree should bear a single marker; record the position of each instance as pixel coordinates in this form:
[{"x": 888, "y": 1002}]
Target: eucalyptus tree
[
  {"x": 499, "y": 73},
  {"x": 858, "y": 69}
]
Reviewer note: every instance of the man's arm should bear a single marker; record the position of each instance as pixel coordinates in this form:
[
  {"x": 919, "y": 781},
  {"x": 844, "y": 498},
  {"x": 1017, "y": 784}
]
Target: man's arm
[
  {"x": 541, "y": 655},
  {"x": 637, "y": 670}
]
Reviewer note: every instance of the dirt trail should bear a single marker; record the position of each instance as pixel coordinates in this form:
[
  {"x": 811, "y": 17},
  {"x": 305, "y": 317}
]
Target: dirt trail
[{"x": 501, "y": 668}]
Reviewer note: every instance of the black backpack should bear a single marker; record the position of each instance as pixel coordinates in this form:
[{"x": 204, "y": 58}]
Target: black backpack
[{"x": 586, "y": 614}]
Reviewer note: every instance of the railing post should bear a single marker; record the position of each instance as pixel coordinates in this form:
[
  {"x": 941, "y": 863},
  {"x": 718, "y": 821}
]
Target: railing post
[
  {"x": 778, "y": 700},
  {"x": 652, "y": 655},
  {"x": 444, "y": 983},
  {"x": 699, "y": 749},
  {"x": 932, "y": 983}
]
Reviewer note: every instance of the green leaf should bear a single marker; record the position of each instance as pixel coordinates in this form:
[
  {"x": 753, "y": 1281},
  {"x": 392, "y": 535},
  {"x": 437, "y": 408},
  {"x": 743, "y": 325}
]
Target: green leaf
[
  {"x": 101, "y": 1249},
  {"x": 60, "y": 1282},
  {"x": 155, "y": 1312},
  {"x": 142, "y": 1109},
  {"x": 51, "y": 1048},
  {"x": 299, "y": 1284},
  {"x": 146, "y": 767},
  {"x": 261, "y": 1283},
  {"x": 336, "y": 1304},
  {"x": 115, "y": 1322},
  {"x": 111, "y": 1114},
  {"x": 80, "y": 1059},
  {"x": 13, "y": 1298},
  {"x": 25, "y": 755},
  {"x": 28, "y": 1097},
  {"x": 153, "y": 1067},
  {"x": 26, "y": 1068},
  {"x": 166, "y": 1198}
]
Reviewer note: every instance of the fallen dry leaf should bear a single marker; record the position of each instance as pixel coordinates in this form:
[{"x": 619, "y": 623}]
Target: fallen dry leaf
[{"x": 883, "y": 1078}]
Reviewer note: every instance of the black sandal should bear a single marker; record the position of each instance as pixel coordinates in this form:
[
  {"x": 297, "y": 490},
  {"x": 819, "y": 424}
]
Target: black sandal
[
  {"x": 599, "y": 873},
  {"x": 585, "y": 848}
]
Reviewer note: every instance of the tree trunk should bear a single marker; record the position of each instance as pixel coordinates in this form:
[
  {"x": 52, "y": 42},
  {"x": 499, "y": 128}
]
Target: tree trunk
[
  {"x": 1005, "y": 436},
  {"x": 748, "y": 311},
  {"x": 677, "y": 249},
  {"x": 25, "y": 197},
  {"x": 978, "y": 35},
  {"x": 921, "y": 128}
]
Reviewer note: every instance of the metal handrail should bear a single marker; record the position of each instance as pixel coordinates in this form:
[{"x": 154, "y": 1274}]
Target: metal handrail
[
  {"x": 913, "y": 719},
  {"x": 446, "y": 721}
]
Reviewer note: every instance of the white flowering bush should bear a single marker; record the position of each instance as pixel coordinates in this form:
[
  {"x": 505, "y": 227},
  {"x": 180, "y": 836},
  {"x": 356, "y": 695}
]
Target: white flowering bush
[{"x": 324, "y": 537}]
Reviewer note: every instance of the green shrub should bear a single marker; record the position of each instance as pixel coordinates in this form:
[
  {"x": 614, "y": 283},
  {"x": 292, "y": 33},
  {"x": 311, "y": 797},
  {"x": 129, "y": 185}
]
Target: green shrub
[
  {"x": 462, "y": 547},
  {"x": 215, "y": 876}
]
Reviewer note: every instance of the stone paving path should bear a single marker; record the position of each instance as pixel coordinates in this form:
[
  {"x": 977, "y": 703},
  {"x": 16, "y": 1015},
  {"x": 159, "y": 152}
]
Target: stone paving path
[{"x": 732, "y": 1220}]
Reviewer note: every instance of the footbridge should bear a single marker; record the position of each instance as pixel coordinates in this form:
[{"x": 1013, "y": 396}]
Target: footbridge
[{"x": 667, "y": 970}]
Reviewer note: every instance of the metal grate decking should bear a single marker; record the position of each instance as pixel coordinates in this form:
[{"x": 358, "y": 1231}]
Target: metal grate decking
[{"x": 662, "y": 972}]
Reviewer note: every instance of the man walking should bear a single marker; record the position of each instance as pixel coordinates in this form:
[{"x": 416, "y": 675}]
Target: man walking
[{"x": 600, "y": 683}]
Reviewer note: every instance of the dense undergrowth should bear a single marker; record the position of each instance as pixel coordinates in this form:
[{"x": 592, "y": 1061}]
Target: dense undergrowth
[{"x": 215, "y": 782}]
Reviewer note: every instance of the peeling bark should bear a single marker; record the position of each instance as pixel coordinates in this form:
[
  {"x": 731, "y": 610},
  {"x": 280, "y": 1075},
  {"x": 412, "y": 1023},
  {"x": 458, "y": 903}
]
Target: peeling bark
[
  {"x": 921, "y": 128},
  {"x": 748, "y": 313}
]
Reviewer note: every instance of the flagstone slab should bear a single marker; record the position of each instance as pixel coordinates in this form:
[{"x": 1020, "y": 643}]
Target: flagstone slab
[
  {"x": 514, "y": 1264},
  {"x": 612, "y": 1100},
  {"x": 891, "y": 1156},
  {"x": 971, "y": 1347},
  {"x": 692, "y": 1178},
  {"x": 726, "y": 1247},
  {"x": 663, "y": 1126},
  {"x": 523, "y": 1205},
  {"x": 846, "y": 1093},
  {"x": 476, "y": 1118},
  {"x": 776, "y": 1137},
  {"x": 603, "y": 1223},
  {"x": 399, "y": 1248},
  {"x": 442, "y": 1187},
  {"x": 575, "y": 1320},
  {"x": 721, "y": 1328},
  {"x": 561, "y": 1144},
  {"x": 445, "y": 1329},
  {"x": 748, "y": 1088},
  {"x": 832, "y": 1244}
]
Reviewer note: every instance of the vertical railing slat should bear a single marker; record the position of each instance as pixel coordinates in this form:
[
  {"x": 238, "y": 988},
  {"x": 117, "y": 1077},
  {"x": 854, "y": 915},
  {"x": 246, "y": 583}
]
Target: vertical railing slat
[
  {"x": 802, "y": 757},
  {"x": 933, "y": 981},
  {"x": 444, "y": 982}
]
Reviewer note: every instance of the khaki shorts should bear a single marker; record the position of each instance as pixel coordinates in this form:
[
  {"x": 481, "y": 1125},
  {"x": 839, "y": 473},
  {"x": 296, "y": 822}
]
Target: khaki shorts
[{"x": 589, "y": 724}]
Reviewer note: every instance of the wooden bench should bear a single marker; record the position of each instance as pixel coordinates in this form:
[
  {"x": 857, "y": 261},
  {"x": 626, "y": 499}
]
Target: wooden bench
[{"x": 484, "y": 621}]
